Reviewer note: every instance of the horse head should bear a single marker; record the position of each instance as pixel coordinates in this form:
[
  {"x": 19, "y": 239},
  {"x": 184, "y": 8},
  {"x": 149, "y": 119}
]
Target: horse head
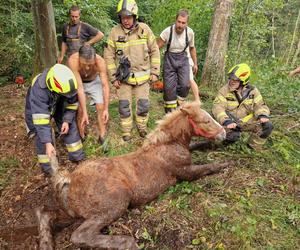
[
  {"x": 187, "y": 121},
  {"x": 201, "y": 122}
]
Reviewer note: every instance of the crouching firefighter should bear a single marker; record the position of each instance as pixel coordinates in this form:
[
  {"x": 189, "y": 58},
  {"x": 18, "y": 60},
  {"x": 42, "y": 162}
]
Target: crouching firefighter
[
  {"x": 133, "y": 61},
  {"x": 53, "y": 95},
  {"x": 239, "y": 106}
]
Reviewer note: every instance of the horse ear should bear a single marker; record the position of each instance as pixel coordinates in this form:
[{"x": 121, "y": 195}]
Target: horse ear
[{"x": 186, "y": 109}]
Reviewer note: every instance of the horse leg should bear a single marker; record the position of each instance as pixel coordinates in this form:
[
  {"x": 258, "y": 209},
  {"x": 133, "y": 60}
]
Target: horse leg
[
  {"x": 48, "y": 219},
  {"x": 193, "y": 172},
  {"x": 88, "y": 234},
  {"x": 45, "y": 229}
]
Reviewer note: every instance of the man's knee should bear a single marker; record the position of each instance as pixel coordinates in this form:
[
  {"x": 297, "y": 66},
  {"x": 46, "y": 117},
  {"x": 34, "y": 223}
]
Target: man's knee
[
  {"x": 143, "y": 107},
  {"x": 124, "y": 108}
]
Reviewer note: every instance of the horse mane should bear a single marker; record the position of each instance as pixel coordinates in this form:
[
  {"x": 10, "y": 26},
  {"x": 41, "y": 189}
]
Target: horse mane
[{"x": 162, "y": 133}]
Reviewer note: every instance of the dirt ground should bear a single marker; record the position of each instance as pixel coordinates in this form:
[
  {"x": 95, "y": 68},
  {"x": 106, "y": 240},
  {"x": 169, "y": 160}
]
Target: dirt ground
[{"x": 27, "y": 188}]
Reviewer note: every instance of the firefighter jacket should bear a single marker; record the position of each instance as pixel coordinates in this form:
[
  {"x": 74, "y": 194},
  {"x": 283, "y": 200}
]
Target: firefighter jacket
[
  {"x": 231, "y": 106},
  {"x": 139, "y": 46},
  {"x": 45, "y": 104}
]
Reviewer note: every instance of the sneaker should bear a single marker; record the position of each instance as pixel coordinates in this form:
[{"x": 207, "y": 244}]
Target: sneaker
[{"x": 126, "y": 138}]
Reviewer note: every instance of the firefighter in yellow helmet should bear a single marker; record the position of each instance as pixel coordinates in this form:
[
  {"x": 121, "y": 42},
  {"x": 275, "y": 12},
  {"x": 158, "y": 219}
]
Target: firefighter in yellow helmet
[
  {"x": 239, "y": 106},
  {"x": 53, "y": 94},
  {"x": 133, "y": 61}
]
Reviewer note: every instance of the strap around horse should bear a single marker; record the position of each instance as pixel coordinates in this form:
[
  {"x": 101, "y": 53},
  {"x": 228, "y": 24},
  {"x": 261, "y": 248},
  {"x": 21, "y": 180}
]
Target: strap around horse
[{"x": 198, "y": 131}]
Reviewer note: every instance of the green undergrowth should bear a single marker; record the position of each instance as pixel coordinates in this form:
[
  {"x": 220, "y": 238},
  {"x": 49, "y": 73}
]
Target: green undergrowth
[{"x": 251, "y": 205}]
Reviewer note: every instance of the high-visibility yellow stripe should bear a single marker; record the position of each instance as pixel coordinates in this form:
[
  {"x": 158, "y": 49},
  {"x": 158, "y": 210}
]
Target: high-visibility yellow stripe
[
  {"x": 232, "y": 103},
  {"x": 171, "y": 104},
  {"x": 221, "y": 98},
  {"x": 247, "y": 118},
  {"x": 34, "y": 79},
  {"x": 111, "y": 43},
  {"x": 155, "y": 60},
  {"x": 138, "y": 77},
  {"x": 41, "y": 119},
  {"x": 130, "y": 43},
  {"x": 74, "y": 146},
  {"x": 43, "y": 159},
  {"x": 221, "y": 115},
  {"x": 248, "y": 101},
  {"x": 111, "y": 66},
  {"x": 72, "y": 106},
  {"x": 258, "y": 99}
]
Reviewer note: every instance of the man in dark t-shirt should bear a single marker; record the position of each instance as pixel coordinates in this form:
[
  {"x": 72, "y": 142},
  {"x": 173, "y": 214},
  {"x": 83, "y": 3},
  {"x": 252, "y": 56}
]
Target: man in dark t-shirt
[{"x": 76, "y": 33}]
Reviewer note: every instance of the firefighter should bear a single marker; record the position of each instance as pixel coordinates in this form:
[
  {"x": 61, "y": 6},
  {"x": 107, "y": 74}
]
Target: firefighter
[
  {"x": 76, "y": 33},
  {"x": 179, "y": 39},
  {"x": 239, "y": 106},
  {"x": 53, "y": 95},
  {"x": 133, "y": 61}
]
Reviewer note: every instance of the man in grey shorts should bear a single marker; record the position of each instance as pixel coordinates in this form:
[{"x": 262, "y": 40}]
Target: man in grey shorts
[{"x": 88, "y": 68}]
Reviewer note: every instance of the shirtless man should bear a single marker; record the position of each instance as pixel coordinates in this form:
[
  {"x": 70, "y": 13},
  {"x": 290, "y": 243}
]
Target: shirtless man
[{"x": 88, "y": 67}]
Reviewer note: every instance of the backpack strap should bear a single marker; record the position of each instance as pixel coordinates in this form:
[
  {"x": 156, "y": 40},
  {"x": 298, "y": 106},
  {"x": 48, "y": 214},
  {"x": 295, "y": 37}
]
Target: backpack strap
[
  {"x": 186, "y": 39},
  {"x": 170, "y": 38}
]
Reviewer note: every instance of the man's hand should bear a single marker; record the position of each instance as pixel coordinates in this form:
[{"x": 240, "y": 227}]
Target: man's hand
[
  {"x": 231, "y": 126},
  {"x": 105, "y": 116},
  {"x": 263, "y": 119},
  {"x": 64, "y": 128},
  {"x": 84, "y": 122},
  {"x": 50, "y": 150},
  {"x": 153, "y": 78},
  {"x": 195, "y": 69},
  {"x": 117, "y": 84},
  {"x": 60, "y": 59}
]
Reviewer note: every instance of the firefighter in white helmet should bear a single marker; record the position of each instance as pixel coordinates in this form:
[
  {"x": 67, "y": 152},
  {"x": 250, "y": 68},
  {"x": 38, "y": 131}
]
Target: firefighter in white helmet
[{"x": 133, "y": 61}]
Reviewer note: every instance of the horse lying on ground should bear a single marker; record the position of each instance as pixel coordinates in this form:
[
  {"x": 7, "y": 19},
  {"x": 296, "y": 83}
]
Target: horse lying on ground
[{"x": 99, "y": 191}]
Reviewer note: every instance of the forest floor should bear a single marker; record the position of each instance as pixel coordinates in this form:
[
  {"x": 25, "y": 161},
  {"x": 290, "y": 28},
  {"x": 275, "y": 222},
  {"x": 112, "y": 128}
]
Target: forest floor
[{"x": 254, "y": 205}]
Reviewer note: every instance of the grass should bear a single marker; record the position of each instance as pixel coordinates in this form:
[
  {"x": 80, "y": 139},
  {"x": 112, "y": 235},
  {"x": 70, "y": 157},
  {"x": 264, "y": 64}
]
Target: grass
[
  {"x": 7, "y": 165},
  {"x": 253, "y": 206}
]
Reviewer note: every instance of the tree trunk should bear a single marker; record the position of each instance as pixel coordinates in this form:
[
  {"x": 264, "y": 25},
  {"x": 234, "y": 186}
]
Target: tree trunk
[
  {"x": 293, "y": 39},
  {"x": 214, "y": 67},
  {"x": 46, "y": 49}
]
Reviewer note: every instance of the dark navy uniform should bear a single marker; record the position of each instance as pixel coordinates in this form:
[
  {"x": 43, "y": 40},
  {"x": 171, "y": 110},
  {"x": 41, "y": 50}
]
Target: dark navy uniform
[{"x": 41, "y": 106}]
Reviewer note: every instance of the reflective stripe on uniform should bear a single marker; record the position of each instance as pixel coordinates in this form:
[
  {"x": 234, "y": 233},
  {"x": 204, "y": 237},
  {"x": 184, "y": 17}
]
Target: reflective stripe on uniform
[
  {"x": 43, "y": 159},
  {"x": 73, "y": 106},
  {"x": 248, "y": 101},
  {"x": 34, "y": 79},
  {"x": 221, "y": 98},
  {"x": 247, "y": 118},
  {"x": 155, "y": 61},
  {"x": 111, "y": 43},
  {"x": 138, "y": 77},
  {"x": 258, "y": 99},
  {"x": 74, "y": 146},
  {"x": 221, "y": 115},
  {"x": 233, "y": 103},
  {"x": 111, "y": 66},
  {"x": 122, "y": 45},
  {"x": 170, "y": 104},
  {"x": 41, "y": 119},
  {"x": 126, "y": 124}
]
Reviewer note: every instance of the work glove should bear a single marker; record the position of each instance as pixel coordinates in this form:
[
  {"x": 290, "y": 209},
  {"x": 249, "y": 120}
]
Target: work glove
[{"x": 267, "y": 128}]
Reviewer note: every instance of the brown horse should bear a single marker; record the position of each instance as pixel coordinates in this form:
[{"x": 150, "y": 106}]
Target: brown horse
[{"x": 99, "y": 191}]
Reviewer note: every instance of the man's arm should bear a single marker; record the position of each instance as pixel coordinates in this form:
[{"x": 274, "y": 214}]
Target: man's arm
[
  {"x": 193, "y": 53},
  {"x": 101, "y": 67},
  {"x": 96, "y": 38},
  {"x": 160, "y": 42},
  {"x": 62, "y": 52},
  {"x": 73, "y": 63},
  {"x": 294, "y": 72}
]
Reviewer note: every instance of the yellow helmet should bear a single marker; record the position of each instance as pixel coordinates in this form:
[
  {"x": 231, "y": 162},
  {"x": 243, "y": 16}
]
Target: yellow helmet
[
  {"x": 240, "y": 72},
  {"x": 61, "y": 80},
  {"x": 127, "y": 8}
]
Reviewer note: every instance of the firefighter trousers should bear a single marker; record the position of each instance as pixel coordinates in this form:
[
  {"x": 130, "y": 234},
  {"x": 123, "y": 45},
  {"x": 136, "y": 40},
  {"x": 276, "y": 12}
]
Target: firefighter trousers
[
  {"x": 176, "y": 75},
  {"x": 126, "y": 93}
]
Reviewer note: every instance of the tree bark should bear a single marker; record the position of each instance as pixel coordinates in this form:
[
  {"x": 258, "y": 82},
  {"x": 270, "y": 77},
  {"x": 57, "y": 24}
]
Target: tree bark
[
  {"x": 214, "y": 67},
  {"x": 46, "y": 49}
]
